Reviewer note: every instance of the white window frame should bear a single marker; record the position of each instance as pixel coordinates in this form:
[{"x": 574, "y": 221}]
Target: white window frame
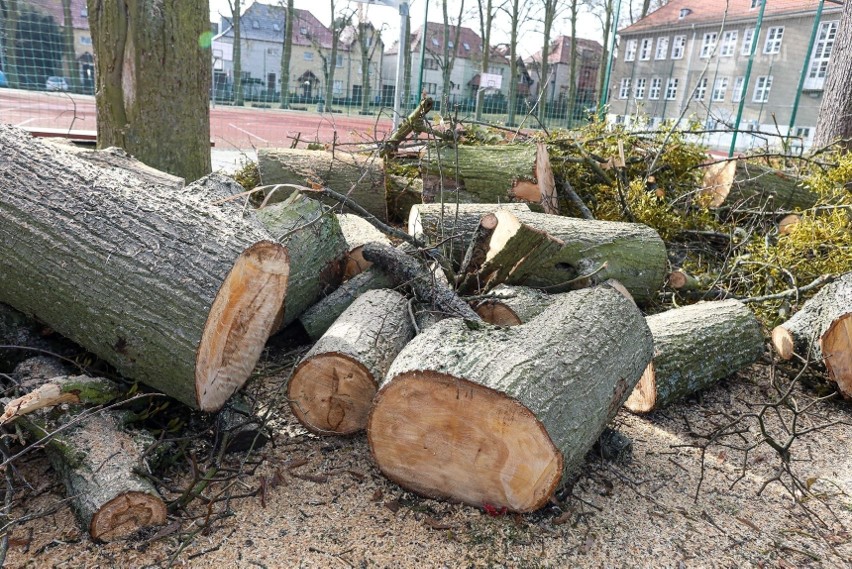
[
  {"x": 762, "y": 87},
  {"x": 774, "y": 37},
  {"x": 678, "y": 47},
  {"x": 624, "y": 89},
  {"x": 339, "y": 62},
  {"x": 720, "y": 89},
  {"x": 748, "y": 40},
  {"x": 708, "y": 44},
  {"x": 700, "y": 89},
  {"x": 337, "y": 87},
  {"x": 729, "y": 44},
  {"x": 671, "y": 88},
  {"x": 639, "y": 89},
  {"x": 737, "y": 93},
  {"x": 818, "y": 67},
  {"x": 309, "y": 56},
  {"x": 655, "y": 88},
  {"x": 645, "y": 49},
  {"x": 630, "y": 50},
  {"x": 662, "y": 47}
]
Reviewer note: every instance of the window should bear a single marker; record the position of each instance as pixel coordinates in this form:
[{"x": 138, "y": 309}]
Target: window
[
  {"x": 338, "y": 87},
  {"x": 671, "y": 89},
  {"x": 466, "y": 46},
  {"x": 737, "y": 95},
  {"x": 720, "y": 89},
  {"x": 624, "y": 91},
  {"x": 255, "y": 24},
  {"x": 630, "y": 50},
  {"x": 662, "y": 47},
  {"x": 430, "y": 64},
  {"x": 276, "y": 26},
  {"x": 339, "y": 62},
  {"x": 748, "y": 41},
  {"x": 639, "y": 91},
  {"x": 803, "y": 132},
  {"x": 656, "y": 86},
  {"x": 773, "y": 40},
  {"x": 450, "y": 44},
  {"x": 729, "y": 44},
  {"x": 755, "y": 4},
  {"x": 684, "y": 12},
  {"x": 678, "y": 46},
  {"x": 430, "y": 88},
  {"x": 309, "y": 56},
  {"x": 84, "y": 13},
  {"x": 709, "y": 44},
  {"x": 303, "y": 30},
  {"x": 645, "y": 51},
  {"x": 700, "y": 89},
  {"x": 85, "y": 40},
  {"x": 435, "y": 42},
  {"x": 761, "y": 89},
  {"x": 819, "y": 57}
]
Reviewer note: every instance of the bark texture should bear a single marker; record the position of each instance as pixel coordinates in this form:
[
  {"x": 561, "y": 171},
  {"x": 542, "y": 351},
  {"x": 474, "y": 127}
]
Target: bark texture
[
  {"x": 358, "y": 232},
  {"x": 21, "y": 336},
  {"x": 749, "y": 186},
  {"x": 153, "y": 81},
  {"x": 835, "y": 111},
  {"x": 694, "y": 347},
  {"x": 172, "y": 292},
  {"x": 513, "y": 305},
  {"x": 332, "y": 389},
  {"x": 316, "y": 246},
  {"x": 495, "y": 415},
  {"x": 822, "y": 332}
]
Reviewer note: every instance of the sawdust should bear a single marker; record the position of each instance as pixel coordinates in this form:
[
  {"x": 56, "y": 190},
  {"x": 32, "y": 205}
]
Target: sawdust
[{"x": 314, "y": 502}]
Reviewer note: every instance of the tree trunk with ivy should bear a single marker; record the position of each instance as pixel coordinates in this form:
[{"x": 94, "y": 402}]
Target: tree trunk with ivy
[
  {"x": 835, "y": 112},
  {"x": 286, "y": 51},
  {"x": 153, "y": 82}
]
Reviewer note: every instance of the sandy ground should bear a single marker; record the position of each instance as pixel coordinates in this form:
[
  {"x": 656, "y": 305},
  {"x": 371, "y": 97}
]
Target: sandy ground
[{"x": 308, "y": 502}]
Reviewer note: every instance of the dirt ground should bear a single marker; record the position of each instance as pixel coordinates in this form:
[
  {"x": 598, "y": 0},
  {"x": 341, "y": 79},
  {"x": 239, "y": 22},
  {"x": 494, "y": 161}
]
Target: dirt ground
[{"x": 303, "y": 501}]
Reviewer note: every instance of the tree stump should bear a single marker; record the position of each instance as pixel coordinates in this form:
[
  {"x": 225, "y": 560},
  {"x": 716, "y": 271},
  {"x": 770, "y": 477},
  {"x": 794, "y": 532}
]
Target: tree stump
[
  {"x": 694, "y": 347},
  {"x": 172, "y": 292},
  {"x": 498, "y": 416},
  {"x": 821, "y": 332},
  {"x": 332, "y": 389}
]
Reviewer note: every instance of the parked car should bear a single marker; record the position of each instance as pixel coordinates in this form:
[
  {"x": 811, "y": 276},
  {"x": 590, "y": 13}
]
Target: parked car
[
  {"x": 56, "y": 84},
  {"x": 3, "y": 81}
]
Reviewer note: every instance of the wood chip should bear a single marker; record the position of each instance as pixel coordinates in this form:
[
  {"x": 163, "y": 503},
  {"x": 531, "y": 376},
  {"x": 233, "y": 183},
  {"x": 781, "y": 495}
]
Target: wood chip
[
  {"x": 392, "y": 505},
  {"x": 437, "y": 524}
]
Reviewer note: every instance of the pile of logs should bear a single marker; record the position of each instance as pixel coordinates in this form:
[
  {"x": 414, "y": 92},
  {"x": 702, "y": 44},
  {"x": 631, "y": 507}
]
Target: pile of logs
[{"x": 484, "y": 355}]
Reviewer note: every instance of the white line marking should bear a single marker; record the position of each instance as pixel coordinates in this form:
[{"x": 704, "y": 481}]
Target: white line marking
[
  {"x": 25, "y": 122},
  {"x": 247, "y": 132}
]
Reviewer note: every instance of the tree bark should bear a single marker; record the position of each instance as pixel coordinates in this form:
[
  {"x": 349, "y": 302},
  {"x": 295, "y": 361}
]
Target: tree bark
[
  {"x": 316, "y": 247},
  {"x": 286, "y": 52},
  {"x": 358, "y": 232},
  {"x": 171, "y": 291},
  {"x": 514, "y": 305},
  {"x": 835, "y": 112},
  {"x": 749, "y": 186},
  {"x": 236, "y": 23},
  {"x": 491, "y": 174},
  {"x": 499, "y": 416},
  {"x": 562, "y": 253},
  {"x": 153, "y": 82},
  {"x": 694, "y": 347},
  {"x": 70, "y": 59},
  {"x": 332, "y": 388},
  {"x": 22, "y": 337},
  {"x": 821, "y": 332}
]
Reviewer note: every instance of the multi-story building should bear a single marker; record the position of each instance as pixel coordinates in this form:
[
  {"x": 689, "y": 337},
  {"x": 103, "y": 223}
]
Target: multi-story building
[
  {"x": 689, "y": 60},
  {"x": 588, "y": 54},
  {"x": 262, "y": 39}
]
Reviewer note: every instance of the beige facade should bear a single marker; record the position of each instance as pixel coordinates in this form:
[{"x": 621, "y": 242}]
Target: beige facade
[{"x": 695, "y": 70}]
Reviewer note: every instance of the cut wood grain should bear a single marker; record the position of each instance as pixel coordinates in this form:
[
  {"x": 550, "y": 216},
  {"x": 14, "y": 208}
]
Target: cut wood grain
[{"x": 358, "y": 232}]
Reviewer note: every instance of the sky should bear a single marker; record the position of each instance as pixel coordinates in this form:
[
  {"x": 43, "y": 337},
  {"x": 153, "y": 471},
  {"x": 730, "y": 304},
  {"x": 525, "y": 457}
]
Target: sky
[{"x": 530, "y": 39}]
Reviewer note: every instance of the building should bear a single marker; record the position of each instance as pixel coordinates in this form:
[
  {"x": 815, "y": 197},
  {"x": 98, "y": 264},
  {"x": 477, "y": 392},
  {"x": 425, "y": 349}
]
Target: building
[
  {"x": 588, "y": 53},
  {"x": 262, "y": 39},
  {"x": 688, "y": 60}
]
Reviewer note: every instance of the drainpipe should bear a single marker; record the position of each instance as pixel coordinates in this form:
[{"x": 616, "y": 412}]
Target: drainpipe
[
  {"x": 805, "y": 69},
  {"x": 605, "y": 94},
  {"x": 754, "y": 43}
]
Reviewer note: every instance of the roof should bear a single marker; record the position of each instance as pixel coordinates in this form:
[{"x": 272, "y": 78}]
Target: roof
[
  {"x": 713, "y": 11},
  {"x": 265, "y": 22},
  {"x": 469, "y": 43},
  {"x": 560, "y": 50},
  {"x": 79, "y": 11}
]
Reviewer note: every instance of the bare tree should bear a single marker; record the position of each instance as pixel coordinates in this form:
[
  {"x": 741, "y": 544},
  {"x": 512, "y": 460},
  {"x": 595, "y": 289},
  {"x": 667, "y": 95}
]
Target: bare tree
[
  {"x": 551, "y": 9},
  {"x": 574, "y": 8},
  {"x": 604, "y": 11},
  {"x": 329, "y": 58},
  {"x": 487, "y": 11},
  {"x": 517, "y": 13},
  {"x": 835, "y": 112},
  {"x": 70, "y": 59},
  {"x": 235, "y": 7},
  {"x": 286, "y": 52},
  {"x": 11, "y": 15},
  {"x": 450, "y": 48},
  {"x": 368, "y": 39}
]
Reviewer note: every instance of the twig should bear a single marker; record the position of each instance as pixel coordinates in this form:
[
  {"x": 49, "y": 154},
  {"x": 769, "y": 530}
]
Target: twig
[
  {"x": 577, "y": 200},
  {"x": 819, "y": 281}
]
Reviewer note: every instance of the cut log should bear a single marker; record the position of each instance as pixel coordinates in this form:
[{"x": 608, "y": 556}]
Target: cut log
[
  {"x": 97, "y": 459},
  {"x": 240, "y": 427},
  {"x": 490, "y": 174},
  {"x": 316, "y": 247},
  {"x": 317, "y": 319},
  {"x": 357, "y": 231},
  {"x": 821, "y": 332},
  {"x": 454, "y": 225},
  {"x": 361, "y": 177},
  {"x": 694, "y": 347},
  {"x": 513, "y": 305},
  {"x": 750, "y": 186},
  {"x": 173, "y": 293},
  {"x": 499, "y": 416},
  {"x": 332, "y": 388},
  {"x": 22, "y": 337},
  {"x": 558, "y": 254}
]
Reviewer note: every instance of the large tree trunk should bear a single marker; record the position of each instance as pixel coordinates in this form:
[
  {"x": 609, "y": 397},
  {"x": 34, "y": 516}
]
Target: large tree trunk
[
  {"x": 835, "y": 111},
  {"x": 822, "y": 332},
  {"x": 358, "y": 232},
  {"x": 490, "y": 174},
  {"x": 332, "y": 388},
  {"x": 22, "y": 337},
  {"x": 514, "y": 305},
  {"x": 153, "y": 82},
  {"x": 498, "y": 416},
  {"x": 172, "y": 292},
  {"x": 694, "y": 347},
  {"x": 562, "y": 253},
  {"x": 237, "y": 24},
  {"x": 316, "y": 247}
]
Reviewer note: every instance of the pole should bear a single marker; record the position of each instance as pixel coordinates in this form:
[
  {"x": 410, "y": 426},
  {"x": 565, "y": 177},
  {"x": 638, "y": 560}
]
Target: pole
[
  {"x": 422, "y": 50},
  {"x": 754, "y": 43},
  {"x": 400, "y": 63},
  {"x": 605, "y": 94},
  {"x": 805, "y": 69}
]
